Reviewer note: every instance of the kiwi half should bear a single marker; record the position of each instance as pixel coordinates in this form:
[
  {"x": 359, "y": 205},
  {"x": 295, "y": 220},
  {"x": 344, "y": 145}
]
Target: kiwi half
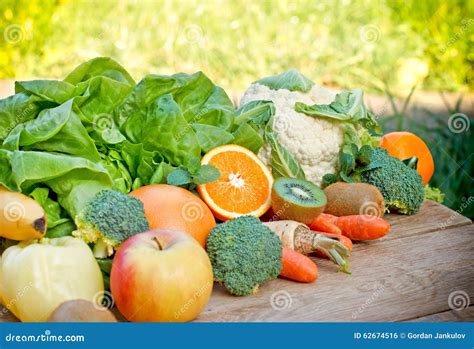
[{"x": 297, "y": 199}]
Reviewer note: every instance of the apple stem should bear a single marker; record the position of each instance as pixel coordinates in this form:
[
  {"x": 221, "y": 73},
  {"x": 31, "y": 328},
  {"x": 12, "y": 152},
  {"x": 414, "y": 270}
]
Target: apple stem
[{"x": 158, "y": 242}]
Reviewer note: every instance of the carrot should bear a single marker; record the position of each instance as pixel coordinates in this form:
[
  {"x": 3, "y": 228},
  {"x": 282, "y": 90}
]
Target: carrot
[
  {"x": 325, "y": 223},
  {"x": 346, "y": 242},
  {"x": 298, "y": 237},
  {"x": 363, "y": 227},
  {"x": 297, "y": 267}
]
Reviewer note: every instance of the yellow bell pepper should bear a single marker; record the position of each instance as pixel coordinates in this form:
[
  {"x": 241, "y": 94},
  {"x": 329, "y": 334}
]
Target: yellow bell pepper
[{"x": 37, "y": 276}]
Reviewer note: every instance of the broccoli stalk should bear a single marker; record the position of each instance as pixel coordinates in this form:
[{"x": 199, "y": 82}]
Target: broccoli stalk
[
  {"x": 108, "y": 220},
  {"x": 244, "y": 253}
]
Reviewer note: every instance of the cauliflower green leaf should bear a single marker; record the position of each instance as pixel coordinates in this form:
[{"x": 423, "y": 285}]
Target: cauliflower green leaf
[{"x": 291, "y": 80}]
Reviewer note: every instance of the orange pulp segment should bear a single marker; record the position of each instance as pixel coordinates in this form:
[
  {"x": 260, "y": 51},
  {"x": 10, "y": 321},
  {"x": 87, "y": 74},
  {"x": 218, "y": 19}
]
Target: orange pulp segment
[{"x": 244, "y": 187}]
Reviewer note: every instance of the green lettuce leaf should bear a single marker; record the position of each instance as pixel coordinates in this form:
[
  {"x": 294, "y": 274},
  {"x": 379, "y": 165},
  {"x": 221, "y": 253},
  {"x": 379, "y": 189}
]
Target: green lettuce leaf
[
  {"x": 100, "y": 66},
  {"x": 15, "y": 110},
  {"x": 49, "y": 90},
  {"x": 209, "y": 136},
  {"x": 54, "y": 130},
  {"x": 63, "y": 141}
]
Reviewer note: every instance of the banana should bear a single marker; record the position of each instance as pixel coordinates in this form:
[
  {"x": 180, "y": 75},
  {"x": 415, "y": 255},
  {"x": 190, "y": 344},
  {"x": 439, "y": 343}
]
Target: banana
[{"x": 21, "y": 217}]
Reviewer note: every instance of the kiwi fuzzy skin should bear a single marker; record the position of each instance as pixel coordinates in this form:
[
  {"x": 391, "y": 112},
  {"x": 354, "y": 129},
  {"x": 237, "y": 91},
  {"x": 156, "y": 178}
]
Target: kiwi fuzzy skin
[
  {"x": 81, "y": 311},
  {"x": 345, "y": 199},
  {"x": 287, "y": 210}
]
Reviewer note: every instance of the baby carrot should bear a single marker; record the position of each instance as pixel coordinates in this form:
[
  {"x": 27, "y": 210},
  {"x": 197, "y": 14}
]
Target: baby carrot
[
  {"x": 363, "y": 227},
  {"x": 346, "y": 242},
  {"x": 298, "y": 267},
  {"x": 325, "y": 223}
]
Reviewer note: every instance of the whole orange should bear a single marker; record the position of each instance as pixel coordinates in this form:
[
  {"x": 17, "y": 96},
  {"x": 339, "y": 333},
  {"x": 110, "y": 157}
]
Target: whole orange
[
  {"x": 404, "y": 145},
  {"x": 171, "y": 207}
]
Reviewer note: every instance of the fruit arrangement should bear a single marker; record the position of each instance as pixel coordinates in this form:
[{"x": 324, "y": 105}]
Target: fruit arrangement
[{"x": 150, "y": 193}]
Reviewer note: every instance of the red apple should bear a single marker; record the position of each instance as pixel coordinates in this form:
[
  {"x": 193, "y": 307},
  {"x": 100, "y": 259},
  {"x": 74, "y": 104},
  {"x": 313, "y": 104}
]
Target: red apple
[{"x": 161, "y": 275}]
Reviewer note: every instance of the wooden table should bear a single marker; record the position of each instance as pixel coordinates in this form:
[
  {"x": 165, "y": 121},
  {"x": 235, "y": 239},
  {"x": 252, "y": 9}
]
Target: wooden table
[{"x": 408, "y": 275}]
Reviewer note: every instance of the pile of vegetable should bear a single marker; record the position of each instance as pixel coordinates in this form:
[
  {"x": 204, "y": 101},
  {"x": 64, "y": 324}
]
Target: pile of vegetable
[
  {"x": 156, "y": 189},
  {"x": 64, "y": 141}
]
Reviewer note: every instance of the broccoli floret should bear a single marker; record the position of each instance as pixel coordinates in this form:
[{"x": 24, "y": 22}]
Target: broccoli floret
[
  {"x": 244, "y": 254},
  {"x": 108, "y": 220},
  {"x": 400, "y": 185}
]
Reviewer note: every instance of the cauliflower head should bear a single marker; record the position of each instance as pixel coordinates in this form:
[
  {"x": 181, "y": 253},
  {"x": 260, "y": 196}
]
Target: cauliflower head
[{"x": 314, "y": 142}]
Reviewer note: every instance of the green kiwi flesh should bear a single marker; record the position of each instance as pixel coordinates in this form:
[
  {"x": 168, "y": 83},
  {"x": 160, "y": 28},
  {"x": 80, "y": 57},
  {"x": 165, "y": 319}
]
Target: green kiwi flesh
[{"x": 297, "y": 199}]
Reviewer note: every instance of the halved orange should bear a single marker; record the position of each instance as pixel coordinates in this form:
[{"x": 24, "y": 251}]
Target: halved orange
[{"x": 244, "y": 187}]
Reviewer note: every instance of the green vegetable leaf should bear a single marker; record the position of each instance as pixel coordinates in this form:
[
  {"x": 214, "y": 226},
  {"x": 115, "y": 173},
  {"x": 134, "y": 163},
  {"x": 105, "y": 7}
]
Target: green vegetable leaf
[
  {"x": 346, "y": 178},
  {"x": 364, "y": 154},
  {"x": 328, "y": 179},
  {"x": 248, "y": 137},
  {"x": 160, "y": 175},
  {"x": 283, "y": 163},
  {"x": 250, "y": 121},
  {"x": 179, "y": 177},
  {"x": 51, "y": 207},
  {"x": 100, "y": 66},
  {"x": 54, "y": 130},
  {"x": 182, "y": 177},
  {"x": 49, "y": 90},
  {"x": 256, "y": 113},
  {"x": 206, "y": 174},
  {"x": 434, "y": 194},
  {"x": 15, "y": 110},
  {"x": 63, "y": 141},
  {"x": 63, "y": 229},
  {"x": 346, "y": 163},
  {"x": 105, "y": 264},
  {"x": 210, "y": 136},
  {"x": 347, "y": 106},
  {"x": 291, "y": 80}
]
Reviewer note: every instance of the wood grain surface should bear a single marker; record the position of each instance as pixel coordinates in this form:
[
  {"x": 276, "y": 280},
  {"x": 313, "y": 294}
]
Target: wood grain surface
[{"x": 415, "y": 273}]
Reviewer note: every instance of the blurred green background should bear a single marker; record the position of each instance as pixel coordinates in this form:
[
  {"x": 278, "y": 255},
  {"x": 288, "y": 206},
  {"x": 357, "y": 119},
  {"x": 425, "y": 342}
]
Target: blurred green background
[{"x": 397, "y": 49}]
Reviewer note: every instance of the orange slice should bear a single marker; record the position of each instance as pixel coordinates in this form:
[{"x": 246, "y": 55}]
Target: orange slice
[{"x": 244, "y": 187}]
